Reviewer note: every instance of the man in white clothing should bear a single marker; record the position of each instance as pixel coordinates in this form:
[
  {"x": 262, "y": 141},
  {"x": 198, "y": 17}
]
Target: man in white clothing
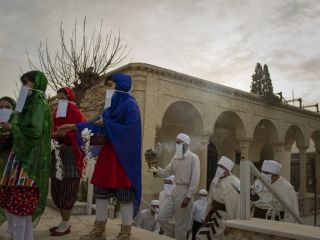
[
  {"x": 268, "y": 207},
  {"x": 147, "y": 218},
  {"x": 198, "y": 212},
  {"x": 185, "y": 166},
  {"x": 223, "y": 199}
]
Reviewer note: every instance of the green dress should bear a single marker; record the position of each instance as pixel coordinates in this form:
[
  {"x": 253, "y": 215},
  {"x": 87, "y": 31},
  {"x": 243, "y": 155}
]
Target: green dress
[{"x": 32, "y": 141}]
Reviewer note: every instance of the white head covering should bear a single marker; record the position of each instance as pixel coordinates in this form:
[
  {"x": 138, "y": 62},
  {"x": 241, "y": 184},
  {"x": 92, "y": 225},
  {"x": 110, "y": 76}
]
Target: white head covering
[
  {"x": 226, "y": 162},
  {"x": 203, "y": 192},
  {"x": 271, "y": 166},
  {"x": 154, "y": 203},
  {"x": 184, "y": 137},
  {"x": 171, "y": 178}
]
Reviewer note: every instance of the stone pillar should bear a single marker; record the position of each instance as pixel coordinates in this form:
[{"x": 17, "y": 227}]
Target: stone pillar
[
  {"x": 244, "y": 148},
  {"x": 283, "y": 156},
  {"x": 204, "y": 160},
  {"x": 303, "y": 170}
]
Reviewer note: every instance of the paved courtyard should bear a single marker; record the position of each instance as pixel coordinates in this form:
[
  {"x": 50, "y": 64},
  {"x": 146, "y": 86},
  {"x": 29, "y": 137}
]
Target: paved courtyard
[{"x": 81, "y": 224}]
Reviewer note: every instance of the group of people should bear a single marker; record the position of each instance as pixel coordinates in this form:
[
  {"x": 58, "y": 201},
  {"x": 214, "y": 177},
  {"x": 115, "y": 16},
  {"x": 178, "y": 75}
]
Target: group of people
[
  {"x": 181, "y": 218},
  {"x": 36, "y": 144}
]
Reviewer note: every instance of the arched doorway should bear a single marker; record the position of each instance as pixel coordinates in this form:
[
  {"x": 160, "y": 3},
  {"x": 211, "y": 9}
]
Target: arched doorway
[
  {"x": 212, "y": 159},
  {"x": 264, "y": 136},
  {"x": 294, "y": 141},
  {"x": 228, "y": 129},
  {"x": 179, "y": 117}
]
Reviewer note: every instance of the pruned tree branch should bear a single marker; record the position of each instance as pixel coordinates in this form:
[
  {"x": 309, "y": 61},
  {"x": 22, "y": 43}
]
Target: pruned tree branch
[{"x": 80, "y": 61}]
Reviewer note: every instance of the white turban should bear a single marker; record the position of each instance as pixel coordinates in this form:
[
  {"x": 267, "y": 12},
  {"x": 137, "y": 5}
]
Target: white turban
[
  {"x": 184, "y": 138},
  {"x": 171, "y": 178},
  {"x": 203, "y": 192},
  {"x": 271, "y": 166},
  {"x": 226, "y": 162},
  {"x": 154, "y": 203}
]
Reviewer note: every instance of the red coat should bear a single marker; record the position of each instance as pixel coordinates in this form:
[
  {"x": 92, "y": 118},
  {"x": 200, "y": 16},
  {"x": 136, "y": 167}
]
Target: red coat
[
  {"x": 108, "y": 172},
  {"x": 74, "y": 115}
]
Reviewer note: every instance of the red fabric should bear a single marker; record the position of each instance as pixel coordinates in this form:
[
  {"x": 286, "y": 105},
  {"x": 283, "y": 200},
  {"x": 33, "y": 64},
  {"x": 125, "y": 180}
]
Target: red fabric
[
  {"x": 19, "y": 200},
  {"x": 108, "y": 172},
  {"x": 74, "y": 115}
]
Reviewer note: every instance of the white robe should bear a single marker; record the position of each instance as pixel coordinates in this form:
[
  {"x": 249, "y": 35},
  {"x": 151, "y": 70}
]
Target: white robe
[
  {"x": 187, "y": 175},
  {"x": 147, "y": 221},
  {"x": 226, "y": 191},
  {"x": 286, "y": 190}
]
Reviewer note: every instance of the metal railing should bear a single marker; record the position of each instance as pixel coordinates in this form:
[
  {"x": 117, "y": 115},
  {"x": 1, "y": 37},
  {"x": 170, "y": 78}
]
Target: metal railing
[{"x": 246, "y": 167}]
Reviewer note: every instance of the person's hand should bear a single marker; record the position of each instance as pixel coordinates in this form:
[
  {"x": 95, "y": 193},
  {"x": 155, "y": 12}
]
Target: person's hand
[
  {"x": 153, "y": 170},
  {"x": 99, "y": 122},
  {"x": 185, "y": 202},
  {"x": 207, "y": 218},
  {"x": 6, "y": 126},
  {"x": 62, "y": 130},
  {"x": 59, "y": 135}
]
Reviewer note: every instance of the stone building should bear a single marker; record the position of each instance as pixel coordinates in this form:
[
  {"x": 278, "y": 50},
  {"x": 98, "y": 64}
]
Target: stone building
[{"x": 220, "y": 120}]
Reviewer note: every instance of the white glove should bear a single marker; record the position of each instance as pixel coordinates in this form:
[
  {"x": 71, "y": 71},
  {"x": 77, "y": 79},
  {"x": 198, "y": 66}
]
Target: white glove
[{"x": 153, "y": 169}]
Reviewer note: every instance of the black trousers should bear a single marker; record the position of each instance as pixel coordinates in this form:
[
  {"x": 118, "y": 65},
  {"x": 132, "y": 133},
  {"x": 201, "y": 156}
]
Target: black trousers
[{"x": 195, "y": 228}]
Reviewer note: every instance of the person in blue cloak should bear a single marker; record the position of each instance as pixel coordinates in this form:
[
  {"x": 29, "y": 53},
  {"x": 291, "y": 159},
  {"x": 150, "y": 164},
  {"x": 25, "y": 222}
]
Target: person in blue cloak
[{"x": 117, "y": 171}]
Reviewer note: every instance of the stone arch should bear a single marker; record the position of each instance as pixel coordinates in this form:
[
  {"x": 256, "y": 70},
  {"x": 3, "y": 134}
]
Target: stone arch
[
  {"x": 180, "y": 116},
  {"x": 294, "y": 134},
  {"x": 265, "y": 134},
  {"x": 228, "y": 130},
  {"x": 293, "y": 140},
  {"x": 313, "y": 168}
]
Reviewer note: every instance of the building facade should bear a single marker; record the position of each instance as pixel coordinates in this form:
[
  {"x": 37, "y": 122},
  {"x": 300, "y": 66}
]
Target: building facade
[{"x": 220, "y": 121}]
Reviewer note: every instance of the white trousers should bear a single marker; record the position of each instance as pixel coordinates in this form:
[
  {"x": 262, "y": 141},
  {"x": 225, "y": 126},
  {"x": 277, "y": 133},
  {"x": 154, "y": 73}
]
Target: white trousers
[
  {"x": 172, "y": 207},
  {"x": 22, "y": 227},
  {"x": 102, "y": 211}
]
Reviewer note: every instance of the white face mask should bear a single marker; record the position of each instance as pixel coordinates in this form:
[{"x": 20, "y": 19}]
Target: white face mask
[
  {"x": 179, "y": 150},
  {"x": 267, "y": 177},
  {"x": 62, "y": 108},
  {"x": 108, "y": 99},
  {"x": 23, "y": 94},
  {"x": 219, "y": 173},
  {"x": 203, "y": 201},
  {"x": 5, "y": 114},
  {"x": 168, "y": 189}
]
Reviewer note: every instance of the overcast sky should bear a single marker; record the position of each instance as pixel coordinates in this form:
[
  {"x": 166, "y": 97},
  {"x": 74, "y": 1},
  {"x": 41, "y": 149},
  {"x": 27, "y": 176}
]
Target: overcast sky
[{"x": 216, "y": 40}]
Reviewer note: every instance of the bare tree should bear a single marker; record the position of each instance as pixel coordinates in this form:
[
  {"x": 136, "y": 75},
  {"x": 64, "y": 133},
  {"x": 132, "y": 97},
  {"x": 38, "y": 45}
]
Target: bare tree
[{"x": 80, "y": 63}]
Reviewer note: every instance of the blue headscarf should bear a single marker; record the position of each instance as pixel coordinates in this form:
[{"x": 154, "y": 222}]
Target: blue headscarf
[
  {"x": 122, "y": 124},
  {"x": 122, "y": 127}
]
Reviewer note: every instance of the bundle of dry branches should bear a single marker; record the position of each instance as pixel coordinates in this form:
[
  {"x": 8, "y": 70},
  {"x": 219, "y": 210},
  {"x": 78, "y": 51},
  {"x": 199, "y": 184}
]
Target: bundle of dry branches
[{"x": 80, "y": 63}]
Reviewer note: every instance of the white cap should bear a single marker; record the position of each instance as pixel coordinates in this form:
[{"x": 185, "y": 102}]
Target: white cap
[
  {"x": 226, "y": 162},
  {"x": 171, "y": 178},
  {"x": 184, "y": 138},
  {"x": 154, "y": 203},
  {"x": 271, "y": 166},
  {"x": 203, "y": 192}
]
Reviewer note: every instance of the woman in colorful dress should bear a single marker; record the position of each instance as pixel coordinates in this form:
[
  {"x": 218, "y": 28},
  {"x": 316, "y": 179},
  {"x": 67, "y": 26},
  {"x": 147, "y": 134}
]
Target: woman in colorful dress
[
  {"x": 24, "y": 184},
  {"x": 65, "y": 178}
]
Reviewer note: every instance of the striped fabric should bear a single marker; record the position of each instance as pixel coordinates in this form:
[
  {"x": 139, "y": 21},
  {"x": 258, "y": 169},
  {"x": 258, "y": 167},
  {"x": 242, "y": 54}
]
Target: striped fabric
[
  {"x": 64, "y": 193},
  {"x": 123, "y": 195},
  {"x": 15, "y": 175},
  {"x": 68, "y": 161}
]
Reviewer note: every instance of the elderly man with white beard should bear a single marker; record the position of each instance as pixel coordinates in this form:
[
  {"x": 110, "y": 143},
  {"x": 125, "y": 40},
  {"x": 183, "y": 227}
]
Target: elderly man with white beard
[
  {"x": 223, "y": 199},
  {"x": 185, "y": 166},
  {"x": 268, "y": 207}
]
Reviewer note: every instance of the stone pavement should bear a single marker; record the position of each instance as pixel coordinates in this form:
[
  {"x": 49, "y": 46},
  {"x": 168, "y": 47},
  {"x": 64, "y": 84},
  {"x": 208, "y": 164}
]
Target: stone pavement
[{"x": 81, "y": 224}]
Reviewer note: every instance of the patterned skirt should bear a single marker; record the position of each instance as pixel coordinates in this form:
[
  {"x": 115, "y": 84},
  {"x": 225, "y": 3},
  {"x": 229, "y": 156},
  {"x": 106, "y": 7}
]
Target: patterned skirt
[{"x": 18, "y": 192}]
